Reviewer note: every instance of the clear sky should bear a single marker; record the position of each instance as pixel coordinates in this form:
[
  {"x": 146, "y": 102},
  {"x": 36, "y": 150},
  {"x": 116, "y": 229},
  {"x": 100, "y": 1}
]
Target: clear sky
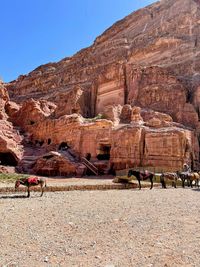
[{"x": 35, "y": 32}]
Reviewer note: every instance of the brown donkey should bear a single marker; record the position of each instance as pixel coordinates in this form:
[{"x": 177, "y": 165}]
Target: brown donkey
[{"x": 31, "y": 181}]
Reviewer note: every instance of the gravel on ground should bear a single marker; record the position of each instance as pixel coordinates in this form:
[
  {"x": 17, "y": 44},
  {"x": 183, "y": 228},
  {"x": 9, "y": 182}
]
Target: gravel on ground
[
  {"x": 69, "y": 181},
  {"x": 116, "y": 228}
]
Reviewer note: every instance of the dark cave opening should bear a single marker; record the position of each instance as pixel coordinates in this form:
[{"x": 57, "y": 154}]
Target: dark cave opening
[
  {"x": 7, "y": 159},
  {"x": 63, "y": 146},
  {"x": 104, "y": 152}
]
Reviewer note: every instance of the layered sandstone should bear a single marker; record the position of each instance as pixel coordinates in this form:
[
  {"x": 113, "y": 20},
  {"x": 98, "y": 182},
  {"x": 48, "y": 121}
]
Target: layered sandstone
[
  {"x": 142, "y": 76},
  {"x": 130, "y": 136},
  {"x": 56, "y": 164},
  {"x": 109, "y": 72},
  {"x": 30, "y": 112},
  {"x": 10, "y": 139},
  {"x": 166, "y": 146}
]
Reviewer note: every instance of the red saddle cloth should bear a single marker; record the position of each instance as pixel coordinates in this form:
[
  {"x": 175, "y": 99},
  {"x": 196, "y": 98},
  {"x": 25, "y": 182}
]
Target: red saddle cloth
[{"x": 33, "y": 180}]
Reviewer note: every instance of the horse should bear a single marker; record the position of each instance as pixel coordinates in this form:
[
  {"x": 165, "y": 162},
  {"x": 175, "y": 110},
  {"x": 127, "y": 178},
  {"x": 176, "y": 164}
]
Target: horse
[
  {"x": 142, "y": 176},
  {"x": 31, "y": 181},
  {"x": 168, "y": 176}
]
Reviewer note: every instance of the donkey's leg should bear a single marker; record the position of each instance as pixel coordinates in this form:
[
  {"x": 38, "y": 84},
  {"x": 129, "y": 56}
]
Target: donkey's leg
[
  {"x": 28, "y": 189},
  {"x": 139, "y": 184},
  {"x": 162, "y": 181},
  {"x": 151, "y": 180},
  {"x": 183, "y": 182},
  {"x": 42, "y": 189},
  {"x": 163, "y": 184}
]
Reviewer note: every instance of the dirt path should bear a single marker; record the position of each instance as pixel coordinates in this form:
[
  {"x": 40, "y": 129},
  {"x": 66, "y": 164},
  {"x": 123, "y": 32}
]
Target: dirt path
[{"x": 101, "y": 228}]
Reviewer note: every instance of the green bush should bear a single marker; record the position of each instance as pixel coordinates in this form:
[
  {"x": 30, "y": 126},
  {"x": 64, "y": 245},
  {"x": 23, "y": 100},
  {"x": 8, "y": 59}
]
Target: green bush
[
  {"x": 98, "y": 117},
  {"x": 11, "y": 177}
]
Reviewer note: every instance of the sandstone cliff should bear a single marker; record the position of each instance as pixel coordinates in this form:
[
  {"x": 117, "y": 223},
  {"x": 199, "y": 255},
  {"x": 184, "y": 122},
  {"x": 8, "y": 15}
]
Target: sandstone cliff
[
  {"x": 10, "y": 140},
  {"x": 165, "y": 35},
  {"x": 142, "y": 74}
]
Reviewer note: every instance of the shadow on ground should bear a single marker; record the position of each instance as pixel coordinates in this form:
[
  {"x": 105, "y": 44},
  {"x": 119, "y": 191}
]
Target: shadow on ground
[
  {"x": 196, "y": 189},
  {"x": 12, "y": 196}
]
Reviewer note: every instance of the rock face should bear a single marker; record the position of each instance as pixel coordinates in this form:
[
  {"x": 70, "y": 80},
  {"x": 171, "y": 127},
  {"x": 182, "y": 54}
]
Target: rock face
[
  {"x": 164, "y": 146},
  {"x": 156, "y": 46},
  {"x": 56, "y": 146},
  {"x": 30, "y": 112},
  {"x": 56, "y": 164},
  {"x": 10, "y": 139},
  {"x": 142, "y": 74}
]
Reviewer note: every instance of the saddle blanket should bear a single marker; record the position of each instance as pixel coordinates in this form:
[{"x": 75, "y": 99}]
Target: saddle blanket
[{"x": 33, "y": 180}]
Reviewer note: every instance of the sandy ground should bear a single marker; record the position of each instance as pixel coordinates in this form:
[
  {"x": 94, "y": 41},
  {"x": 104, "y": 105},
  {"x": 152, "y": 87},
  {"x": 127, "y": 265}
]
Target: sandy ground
[
  {"x": 101, "y": 228},
  {"x": 70, "y": 181}
]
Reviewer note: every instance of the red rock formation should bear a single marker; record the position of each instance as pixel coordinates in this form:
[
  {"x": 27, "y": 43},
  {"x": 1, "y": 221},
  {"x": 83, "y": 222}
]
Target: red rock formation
[
  {"x": 30, "y": 112},
  {"x": 56, "y": 164},
  {"x": 164, "y": 34},
  {"x": 143, "y": 72},
  {"x": 10, "y": 139},
  {"x": 163, "y": 145}
]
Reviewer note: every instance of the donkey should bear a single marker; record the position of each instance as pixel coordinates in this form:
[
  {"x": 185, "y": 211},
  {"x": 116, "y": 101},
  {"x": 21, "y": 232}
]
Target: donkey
[
  {"x": 31, "y": 181},
  {"x": 194, "y": 177},
  {"x": 168, "y": 176},
  {"x": 190, "y": 177},
  {"x": 142, "y": 176}
]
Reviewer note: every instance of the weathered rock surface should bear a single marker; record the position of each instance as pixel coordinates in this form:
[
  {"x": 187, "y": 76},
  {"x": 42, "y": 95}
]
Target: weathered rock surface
[
  {"x": 164, "y": 35},
  {"x": 3, "y": 99},
  {"x": 10, "y": 139},
  {"x": 142, "y": 74},
  {"x": 56, "y": 164},
  {"x": 133, "y": 137},
  {"x": 166, "y": 146},
  {"x": 30, "y": 112}
]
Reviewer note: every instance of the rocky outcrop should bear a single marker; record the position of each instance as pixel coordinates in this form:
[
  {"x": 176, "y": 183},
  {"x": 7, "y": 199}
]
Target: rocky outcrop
[
  {"x": 150, "y": 58},
  {"x": 112, "y": 113},
  {"x": 69, "y": 102},
  {"x": 130, "y": 136},
  {"x": 11, "y": 150},
  {"x": 3, "y": 99},
  {"x": 165, "y": 145},
  {"x": 57, "y": 164},
  {"x": 10, "y": 139},
  {"x": 156, "y": 89},
  {"x": 142, "y": 75},
  {"x": 30, "y": 112}
]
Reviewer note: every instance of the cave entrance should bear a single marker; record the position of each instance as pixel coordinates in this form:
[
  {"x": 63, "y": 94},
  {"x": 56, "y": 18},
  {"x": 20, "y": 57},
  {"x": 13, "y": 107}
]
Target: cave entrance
[
  {"x": 104, "y": 152},
  {"x": 63, "y": 146},
  {"x": 7, "y": 159}
]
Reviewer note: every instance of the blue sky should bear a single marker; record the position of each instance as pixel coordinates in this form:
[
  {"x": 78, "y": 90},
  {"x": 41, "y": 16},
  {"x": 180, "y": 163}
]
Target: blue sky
[{"x": 35, "y": 32}]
